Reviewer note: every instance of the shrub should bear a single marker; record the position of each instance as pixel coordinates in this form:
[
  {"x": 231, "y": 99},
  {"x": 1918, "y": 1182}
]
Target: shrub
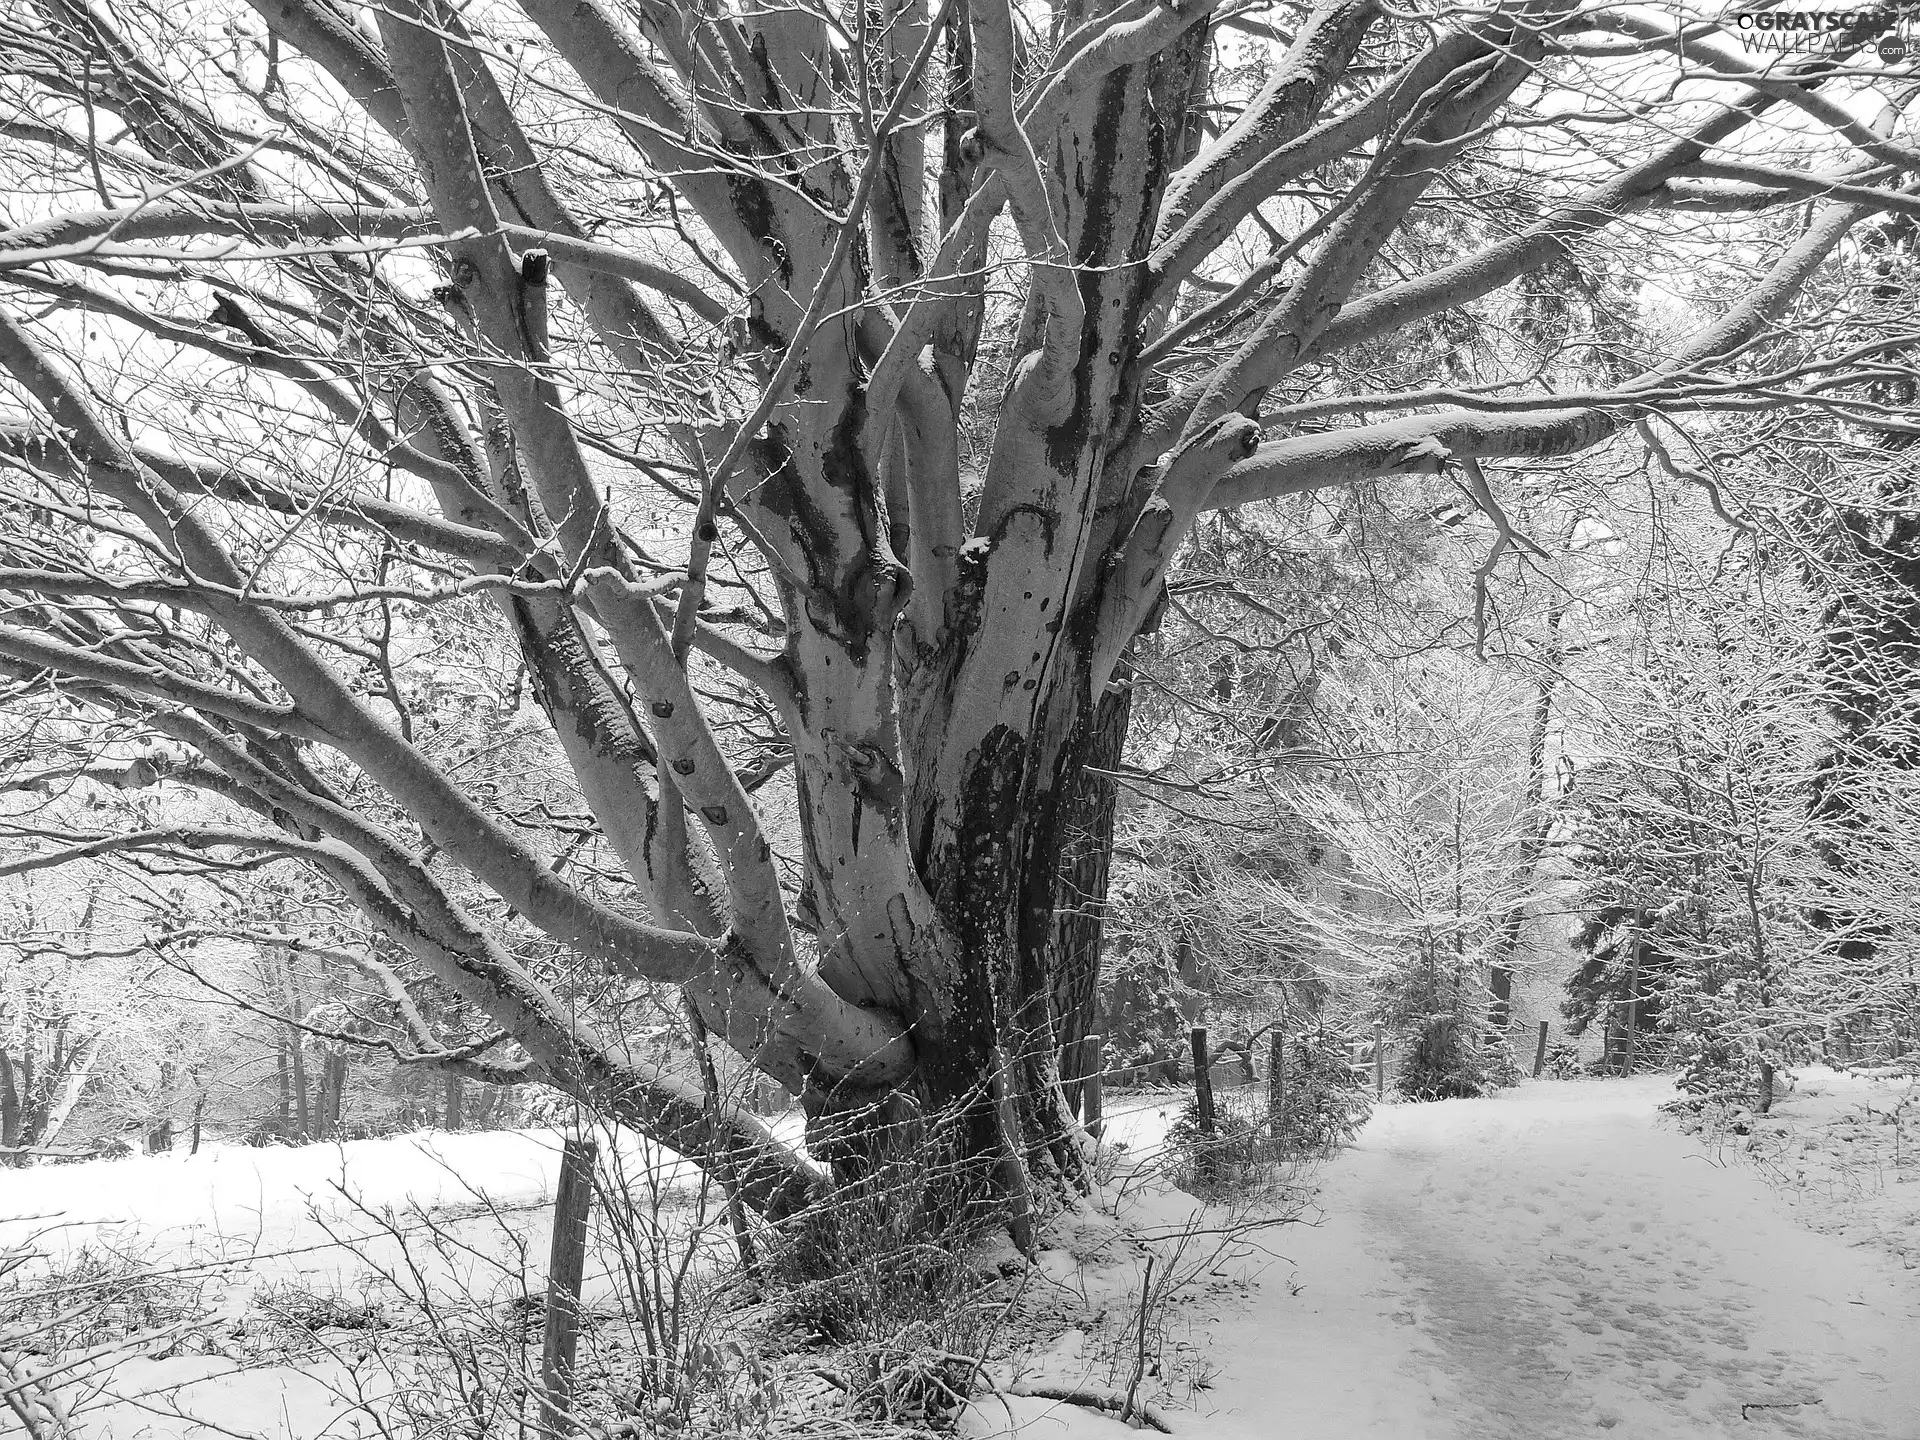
[
  {"x": 293, "y": 1305},
  {"x": 94, "y": 1296},
  {"x": 883, "y": 1270},
  {"x": 1324, "y": 1101},
  {"x": 1441, "y": 1062},
  {"x": 1563, "y": 1061}
]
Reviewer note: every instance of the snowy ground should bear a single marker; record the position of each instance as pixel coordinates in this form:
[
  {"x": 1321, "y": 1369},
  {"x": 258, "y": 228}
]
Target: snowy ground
[
  {"x": 247, "y": 1243},
  {"x": 1844, "y": 1151},
  {"x": 1558, "y": 1261},
  {"x": 1562, "y": 1261}
]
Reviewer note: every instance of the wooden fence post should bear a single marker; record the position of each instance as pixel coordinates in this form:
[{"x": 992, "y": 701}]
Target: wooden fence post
[
  {"x": 1203, "y": 1080},
  {"x": 1277, "y": 1083},
  {"x": 566, "y": 1267},
  {"x": 1540, "y": 1051},
  {"x": 1379, "y": 1060},
  {"x": 1090, "y": 1099},
  {"x": 1203, "y": 1096}
]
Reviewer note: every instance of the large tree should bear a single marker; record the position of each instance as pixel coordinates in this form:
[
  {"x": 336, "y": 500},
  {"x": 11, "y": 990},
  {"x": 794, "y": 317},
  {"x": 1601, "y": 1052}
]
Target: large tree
[{"x": 932, "y": 328}]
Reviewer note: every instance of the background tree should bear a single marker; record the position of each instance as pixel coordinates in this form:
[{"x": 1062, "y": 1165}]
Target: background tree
[
  {"x": 1702, "y": 842},
  {"x": 796, "y": 392},
  {"x": 53, "y": 1024},
  {"x": 1417, "y": 882}
]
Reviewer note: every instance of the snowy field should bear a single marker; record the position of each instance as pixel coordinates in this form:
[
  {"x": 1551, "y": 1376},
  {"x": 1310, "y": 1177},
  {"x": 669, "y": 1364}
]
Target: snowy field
[
  {"x": 1558, "y": 1261},
  {"x": 222, "y": 1252}
]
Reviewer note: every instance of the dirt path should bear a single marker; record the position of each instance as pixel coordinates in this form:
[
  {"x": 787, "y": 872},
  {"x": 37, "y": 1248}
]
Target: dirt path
[{"x": 1557, "y": 1262}]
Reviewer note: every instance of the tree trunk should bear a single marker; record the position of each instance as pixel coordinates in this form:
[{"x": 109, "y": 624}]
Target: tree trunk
[
  {"x": 455, "y": 1106},
  {"x": 1027, "y": 841},
  {"x": 160, "y": 1132},
  {"x": 29, "y": 1090},
  {"x": 284, "y": 1081},
  {"x": 303, "y": 1108},
  {"x": 333, "y": 1085},
  {"x": 1277, "y": 1083},
  {"x": 1633, "y": 989},
  {"x": 9, "y": 1109},
  {"x": 79, "y": 1066},
  {"x": 1533, "y": 833},
  {"x": 303, "y": 1111},
  {"x": 1088, "y": 806}
]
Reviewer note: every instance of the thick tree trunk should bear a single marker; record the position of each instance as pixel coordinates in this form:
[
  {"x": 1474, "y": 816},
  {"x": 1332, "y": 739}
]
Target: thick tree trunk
[
  {"x": 1080, "y": 913},
  {"x": 1027, "y": 840},
  {"x": 1033, "y": 841}
]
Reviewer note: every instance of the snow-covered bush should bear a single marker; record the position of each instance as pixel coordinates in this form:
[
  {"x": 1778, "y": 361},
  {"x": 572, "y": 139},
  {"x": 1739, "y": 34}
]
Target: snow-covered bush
[
  {"x": 1236, "y": 1156},
  {"x": 1320, "y": 1100},
  {"x": 1442, "y": 1060}
]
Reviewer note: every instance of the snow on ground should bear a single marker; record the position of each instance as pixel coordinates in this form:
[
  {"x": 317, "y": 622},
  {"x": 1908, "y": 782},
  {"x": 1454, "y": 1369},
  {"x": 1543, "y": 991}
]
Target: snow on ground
[
  {"x": 241, "y": 1236},
  {"x": 1555, "y": 1261},
  {"x": 1844, "y": 1150}
]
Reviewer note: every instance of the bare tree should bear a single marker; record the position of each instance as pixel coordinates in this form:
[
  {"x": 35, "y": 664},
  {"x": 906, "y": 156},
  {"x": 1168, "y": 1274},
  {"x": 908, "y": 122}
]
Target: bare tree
[
  {"x": 931, "y": 329},
  {"x": 55, "y": 1024}
]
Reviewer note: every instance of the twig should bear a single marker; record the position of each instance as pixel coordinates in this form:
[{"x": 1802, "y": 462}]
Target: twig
[
  {"x": 1095, "y": 1398},
  {"x": 1140, "y": 1345}
]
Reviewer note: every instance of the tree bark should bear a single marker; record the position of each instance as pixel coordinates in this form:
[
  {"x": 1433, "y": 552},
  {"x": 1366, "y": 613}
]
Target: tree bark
[
  {"x": 284, "y": 1080},
  {"x": 303, "y": 1110},
  {"x": 1088, "y": 808},
  {"x": 333, "y": 1091},
  {"x": 9, "y": 1104},
  {"x": 77, "y": 1073},
  {"x": 1533, "y": 831},
  {"x": 1633, "y": 990},
  {"x": 1277, "y": 1082}
]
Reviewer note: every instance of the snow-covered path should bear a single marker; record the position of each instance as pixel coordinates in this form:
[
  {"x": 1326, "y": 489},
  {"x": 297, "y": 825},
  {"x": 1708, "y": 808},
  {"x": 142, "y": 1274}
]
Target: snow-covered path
[{"x": 1557, "y": 1262}]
